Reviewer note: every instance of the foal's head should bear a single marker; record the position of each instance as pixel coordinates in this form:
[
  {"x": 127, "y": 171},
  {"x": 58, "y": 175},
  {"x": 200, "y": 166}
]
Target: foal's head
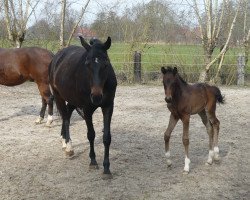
[
  {"x": 169, "y": 82},
  {"x": 97, "y": 62}
]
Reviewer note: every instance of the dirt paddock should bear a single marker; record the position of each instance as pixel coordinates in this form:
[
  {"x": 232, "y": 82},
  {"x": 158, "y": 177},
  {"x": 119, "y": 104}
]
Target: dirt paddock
[{"x": 33, "y": 165}]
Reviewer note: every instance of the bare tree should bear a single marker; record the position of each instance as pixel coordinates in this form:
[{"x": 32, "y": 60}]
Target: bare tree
[
  {"x": 62, "y": 31},
  {"x": 246, "y": 38},
  {"x": 210, "y": 29},
  {"x": 62, "y": 42},
  {"x": 17, "y": 14}
]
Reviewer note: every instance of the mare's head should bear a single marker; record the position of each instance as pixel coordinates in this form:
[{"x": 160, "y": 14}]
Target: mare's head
[
  {"x": 169, "y": 82},
  {"x": 98, "y": 64}
]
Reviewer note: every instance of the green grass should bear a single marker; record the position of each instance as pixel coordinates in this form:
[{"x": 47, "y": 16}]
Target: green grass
[{"x": 189, "y": 58}]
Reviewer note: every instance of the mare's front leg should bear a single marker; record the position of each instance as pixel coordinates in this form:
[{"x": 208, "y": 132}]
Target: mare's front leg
[
  {"x": 107, "y": 115},
  {"x": 185, "y": 139},
  {"x": 91, "y": 136},
  {"x": 172, "y": 123}
]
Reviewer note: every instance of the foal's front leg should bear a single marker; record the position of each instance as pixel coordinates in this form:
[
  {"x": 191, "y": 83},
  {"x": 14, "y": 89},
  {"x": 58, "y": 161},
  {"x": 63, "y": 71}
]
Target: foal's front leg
[
  {"x": 172, "y": 123},
  {"x": 185, "y": 139}
]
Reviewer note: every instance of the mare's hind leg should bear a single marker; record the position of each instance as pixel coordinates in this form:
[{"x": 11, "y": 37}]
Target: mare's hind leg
[
  {"x": 210, "y": 133},
  {"x": 216, "y": 126},
  {"x": 47, "y": 96},
  {"x": 172, "y": 123},
  {"x": 42, "y": 112}
]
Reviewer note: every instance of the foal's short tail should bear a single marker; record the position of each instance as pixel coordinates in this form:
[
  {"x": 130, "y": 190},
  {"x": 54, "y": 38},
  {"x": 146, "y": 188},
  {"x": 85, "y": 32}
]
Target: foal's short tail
[{"x": 218, "y": 95}]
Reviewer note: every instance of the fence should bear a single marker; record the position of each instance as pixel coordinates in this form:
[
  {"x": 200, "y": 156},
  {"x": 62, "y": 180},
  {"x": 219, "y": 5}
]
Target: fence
[{"x": 135, "y": 70}]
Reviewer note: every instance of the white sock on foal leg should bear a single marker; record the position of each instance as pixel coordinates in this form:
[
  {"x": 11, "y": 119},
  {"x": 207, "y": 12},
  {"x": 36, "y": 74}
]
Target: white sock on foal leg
[
  {"x": 187, "y": 162},
  {"x": 216, "y": 153},
  {"x": 210, "y": 157}
]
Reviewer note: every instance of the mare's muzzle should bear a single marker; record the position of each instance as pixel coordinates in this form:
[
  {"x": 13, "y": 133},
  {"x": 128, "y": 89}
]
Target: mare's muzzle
[{"x": 96, "y": 95}]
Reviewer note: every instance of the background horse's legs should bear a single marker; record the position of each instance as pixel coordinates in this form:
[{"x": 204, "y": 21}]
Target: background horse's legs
[
  {"x": 42, "y": 112},
  {"x": 172, "y": 123},
  {"x": 65, "y": 112},
  {"x": 46, "y": 94},
  {"x": 91, "y": 136},
  {"x": 185, "y": 139},
  {"x": 210, "y": 133},
  {"x": 107, "y": 115}
]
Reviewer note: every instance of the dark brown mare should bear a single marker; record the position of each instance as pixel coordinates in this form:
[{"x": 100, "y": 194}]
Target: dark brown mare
[
  {"x": 83, "y": 79},
  {"x": 184, "y": 100},
  {"x": 20, "y": 65}
]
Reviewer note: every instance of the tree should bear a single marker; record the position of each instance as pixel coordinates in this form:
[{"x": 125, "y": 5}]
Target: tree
[
  {"x": 76, "y": 23},
  {"x": 17, "y": 15},
  {"x": 210, "y": 29}
]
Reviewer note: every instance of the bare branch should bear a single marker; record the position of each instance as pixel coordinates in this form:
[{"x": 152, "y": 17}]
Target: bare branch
[
  {"x": 196, "y": 9},
  {"x": 221, "y": 18},
  {"x": 77, "y": 23}
]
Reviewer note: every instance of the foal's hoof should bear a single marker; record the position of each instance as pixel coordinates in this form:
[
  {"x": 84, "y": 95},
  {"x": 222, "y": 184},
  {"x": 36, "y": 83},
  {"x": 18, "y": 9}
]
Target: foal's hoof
[
  {"x": 217, "y": 159},
  {"x": 169, "y": 163},
  {"x": 107, "y": 176},
  {"x": 69, "y": 153}
]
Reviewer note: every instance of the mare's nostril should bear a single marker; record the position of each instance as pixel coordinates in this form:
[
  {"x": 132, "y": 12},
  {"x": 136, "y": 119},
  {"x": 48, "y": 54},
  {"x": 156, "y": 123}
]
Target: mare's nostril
[{"x": 168, "y": 99}]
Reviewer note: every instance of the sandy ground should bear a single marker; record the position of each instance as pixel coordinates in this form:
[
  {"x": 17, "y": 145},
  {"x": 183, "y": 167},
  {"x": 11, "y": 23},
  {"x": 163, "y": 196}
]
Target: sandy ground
[{"x": 33, "y": 165}]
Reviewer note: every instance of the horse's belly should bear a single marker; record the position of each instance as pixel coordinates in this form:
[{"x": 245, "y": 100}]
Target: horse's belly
[{"x": 11, "y": 78}]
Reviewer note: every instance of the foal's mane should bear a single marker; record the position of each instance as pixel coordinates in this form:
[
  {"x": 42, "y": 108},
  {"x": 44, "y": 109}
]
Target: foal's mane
[{"x": 174, "y": 71}]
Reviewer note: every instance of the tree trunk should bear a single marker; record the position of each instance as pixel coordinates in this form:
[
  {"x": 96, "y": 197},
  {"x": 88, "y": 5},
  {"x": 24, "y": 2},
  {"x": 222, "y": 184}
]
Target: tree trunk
[{"x": 62, "y": 42}]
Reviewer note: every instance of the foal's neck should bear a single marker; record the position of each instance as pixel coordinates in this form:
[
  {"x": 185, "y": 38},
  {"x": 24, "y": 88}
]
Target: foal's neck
[{"x": 180, "y": 87}]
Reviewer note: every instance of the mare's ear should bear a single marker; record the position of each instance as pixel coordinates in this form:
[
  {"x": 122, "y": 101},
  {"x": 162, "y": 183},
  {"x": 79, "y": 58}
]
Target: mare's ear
[
  {"x": 175, "y": 71},
  {"x": 107, "y": 44},
  {"x": 84, "y": 43},
  {"x": 163, "y": 70}
]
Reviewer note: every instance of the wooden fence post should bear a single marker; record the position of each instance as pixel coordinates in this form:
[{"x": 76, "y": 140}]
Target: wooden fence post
[
  {"x": 137, "y": 67},
  {"x": 240, "y": 69}
]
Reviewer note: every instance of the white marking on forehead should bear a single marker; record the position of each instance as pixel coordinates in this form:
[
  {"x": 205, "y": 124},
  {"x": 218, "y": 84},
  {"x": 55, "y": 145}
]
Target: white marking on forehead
[{"x": 96, "y": 60}]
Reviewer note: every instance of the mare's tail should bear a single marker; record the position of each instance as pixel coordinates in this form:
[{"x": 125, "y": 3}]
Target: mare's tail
[{"x": 218, "y": 95}]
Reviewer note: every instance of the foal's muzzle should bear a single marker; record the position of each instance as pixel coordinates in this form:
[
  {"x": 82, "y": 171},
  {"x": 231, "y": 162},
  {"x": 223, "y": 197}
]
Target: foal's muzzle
[{"x": 168, "y": 99}]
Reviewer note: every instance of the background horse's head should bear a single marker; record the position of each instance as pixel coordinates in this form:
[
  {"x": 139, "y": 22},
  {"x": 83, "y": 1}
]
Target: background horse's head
[
  {"x": 169, "y": 82},
  {"x": 98, "y": 64}
]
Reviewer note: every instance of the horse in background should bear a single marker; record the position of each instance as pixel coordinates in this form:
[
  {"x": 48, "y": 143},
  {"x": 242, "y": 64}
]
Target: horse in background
[
  {"x": 31, "y": 63},
  {"x": 83, "y": 79},
  {"x": 184, "y": 100}
]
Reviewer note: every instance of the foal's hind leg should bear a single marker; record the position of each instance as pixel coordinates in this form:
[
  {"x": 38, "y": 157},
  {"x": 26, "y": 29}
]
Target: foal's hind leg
[
  {"x": 216, "y": 126},
  {"x": 210, "y": 133},
  {"x": 172, "y": 123}
]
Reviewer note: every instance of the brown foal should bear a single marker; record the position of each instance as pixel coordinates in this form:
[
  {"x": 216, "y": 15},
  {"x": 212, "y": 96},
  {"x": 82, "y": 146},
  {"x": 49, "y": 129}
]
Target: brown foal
[{"x": 184, "y": 100}]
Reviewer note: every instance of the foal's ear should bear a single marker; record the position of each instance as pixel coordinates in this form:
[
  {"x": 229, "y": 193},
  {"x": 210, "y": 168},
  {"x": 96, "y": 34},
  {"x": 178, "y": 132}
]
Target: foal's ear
[
  {"x": 84, "y": 43},
  {"x": 107, "y": 44},
  {"x": 163, "y": 70},
  {"x": 175, "y": 71}
]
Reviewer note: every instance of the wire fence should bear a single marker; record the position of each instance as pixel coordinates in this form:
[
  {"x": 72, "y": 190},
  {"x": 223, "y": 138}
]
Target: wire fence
[{"x": 149, "y": 69}]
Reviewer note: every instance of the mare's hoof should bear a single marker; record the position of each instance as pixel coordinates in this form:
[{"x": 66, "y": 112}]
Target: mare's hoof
[
  {"x": 69, "y": 153},
  {"x": 91, "y": 166},
  {"x": 49, "y": 124},
  {"x": 107, "y": 176},
  {"x": 39, "y": 120}
]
